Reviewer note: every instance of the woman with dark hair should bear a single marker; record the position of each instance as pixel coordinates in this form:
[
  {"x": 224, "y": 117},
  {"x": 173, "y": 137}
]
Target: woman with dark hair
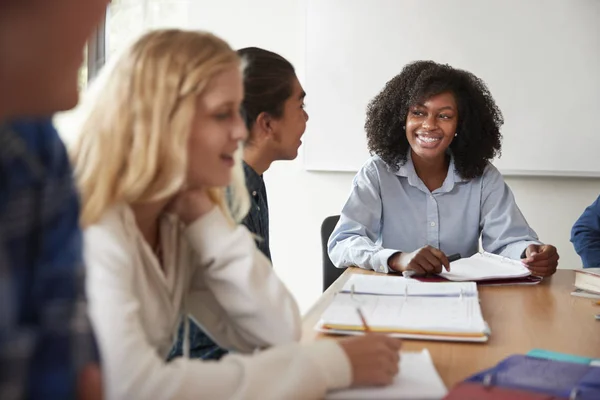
[
  {"x": 430, "y": 189},
  {"x": 273, "y": 112}
]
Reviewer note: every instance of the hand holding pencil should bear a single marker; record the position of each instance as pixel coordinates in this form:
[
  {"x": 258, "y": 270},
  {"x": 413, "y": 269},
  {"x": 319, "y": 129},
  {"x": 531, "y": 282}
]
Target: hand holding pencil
[
  {"x": 366, "y": 327},
  {"x": 374, "y": 357}
]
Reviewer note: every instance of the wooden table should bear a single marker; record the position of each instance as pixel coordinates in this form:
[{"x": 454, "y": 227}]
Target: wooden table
[{"x": 521, "y": 318}]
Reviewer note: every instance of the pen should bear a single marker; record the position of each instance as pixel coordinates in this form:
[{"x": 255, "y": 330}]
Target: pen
[
  {"x": 451, "y": 258},
  {"x": 363, "y": 320},
  {"x": 454, "y": 257}
]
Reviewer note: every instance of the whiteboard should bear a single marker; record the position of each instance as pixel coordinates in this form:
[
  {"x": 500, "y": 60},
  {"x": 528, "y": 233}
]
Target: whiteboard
[{"x": 539, "y": 58}]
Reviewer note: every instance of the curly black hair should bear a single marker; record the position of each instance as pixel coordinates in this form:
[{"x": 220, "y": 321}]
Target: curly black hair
[{"x": 479, "y": 118}]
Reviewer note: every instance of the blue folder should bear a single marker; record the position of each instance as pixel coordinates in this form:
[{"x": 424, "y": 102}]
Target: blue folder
[
  {"x": 556, "y": 378},
  {"x": 556, "y": 356}
]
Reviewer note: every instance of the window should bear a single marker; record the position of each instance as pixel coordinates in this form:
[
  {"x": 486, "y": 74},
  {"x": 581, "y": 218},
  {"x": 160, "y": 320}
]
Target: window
[{"x": 125, "y": 21}]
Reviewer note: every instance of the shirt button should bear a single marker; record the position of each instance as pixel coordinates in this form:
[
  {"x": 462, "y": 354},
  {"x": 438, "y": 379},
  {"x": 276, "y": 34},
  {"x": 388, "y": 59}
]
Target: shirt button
[
  {"x": 382, "y": 268},
  {"x": 258, "y": 208},
  {"x": 254, "y": 193},
  {"x": 432, "y": 223}
]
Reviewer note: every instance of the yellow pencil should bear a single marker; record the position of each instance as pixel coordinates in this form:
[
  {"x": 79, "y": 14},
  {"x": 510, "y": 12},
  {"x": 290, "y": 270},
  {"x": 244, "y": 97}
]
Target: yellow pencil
[
  {"x": 363, "y": 320},
  {"x": 597, "y": 302}
]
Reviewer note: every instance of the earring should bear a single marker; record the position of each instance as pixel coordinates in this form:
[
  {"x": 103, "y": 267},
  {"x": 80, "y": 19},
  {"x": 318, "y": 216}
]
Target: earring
[
  {"x": 456, "y": 134},
  {"x": 404, "y": 128}
]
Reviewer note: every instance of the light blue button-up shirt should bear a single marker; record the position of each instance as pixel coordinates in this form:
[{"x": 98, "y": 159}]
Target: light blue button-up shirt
[{"x": 388, "y": 212}]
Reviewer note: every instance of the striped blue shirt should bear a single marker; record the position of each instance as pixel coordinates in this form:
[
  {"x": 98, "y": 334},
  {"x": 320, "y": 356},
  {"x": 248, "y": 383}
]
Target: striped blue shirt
[{"x": 390, "y": 211}]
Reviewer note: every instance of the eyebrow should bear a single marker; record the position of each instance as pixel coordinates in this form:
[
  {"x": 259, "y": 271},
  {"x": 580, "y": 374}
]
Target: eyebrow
[
  {"x": 440, "y": 109},
  {"x": 217, "y": 105}
]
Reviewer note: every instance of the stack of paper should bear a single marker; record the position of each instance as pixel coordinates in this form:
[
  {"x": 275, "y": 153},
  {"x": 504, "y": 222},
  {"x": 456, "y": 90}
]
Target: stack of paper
[
  {"x": 397, "y": 286},
  {"x": 586, "y": 294},
  {"x": 407, "y": 308},
  {"x": 485, "y": 266},
  {"x": 417, "y": 380},
  {"x": 588, "y": 282}
]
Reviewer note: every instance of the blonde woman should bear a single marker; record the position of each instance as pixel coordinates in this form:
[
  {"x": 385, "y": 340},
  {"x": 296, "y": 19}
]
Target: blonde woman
[{"x": 160, "y": 144}]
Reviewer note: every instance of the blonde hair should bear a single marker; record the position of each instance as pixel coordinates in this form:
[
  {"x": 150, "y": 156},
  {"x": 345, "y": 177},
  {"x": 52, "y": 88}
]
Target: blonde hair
[{"x": 132, "y": 146}]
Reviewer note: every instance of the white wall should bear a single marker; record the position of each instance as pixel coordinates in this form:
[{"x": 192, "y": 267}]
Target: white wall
[
  {"x": 346, "y": 67},
  {"x": 300, "y": 200}
]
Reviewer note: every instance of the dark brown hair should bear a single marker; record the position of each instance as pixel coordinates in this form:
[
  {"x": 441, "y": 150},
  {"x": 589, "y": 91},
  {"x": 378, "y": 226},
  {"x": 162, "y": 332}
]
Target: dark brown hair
[{"x": 268, "y": 79}]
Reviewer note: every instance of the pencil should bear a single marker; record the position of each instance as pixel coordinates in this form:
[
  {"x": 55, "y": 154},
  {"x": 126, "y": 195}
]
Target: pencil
[{"x": 363, "y": 320}]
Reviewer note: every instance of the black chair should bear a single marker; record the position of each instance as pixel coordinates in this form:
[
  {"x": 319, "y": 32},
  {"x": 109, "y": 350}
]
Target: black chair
[{"x": 330, "y": 272}]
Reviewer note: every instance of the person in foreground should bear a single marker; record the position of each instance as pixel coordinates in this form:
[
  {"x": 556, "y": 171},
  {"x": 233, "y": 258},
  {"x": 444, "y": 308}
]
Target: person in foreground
[
  {"x": 46, "y": 344},
  {"x": 585, "y": 236},
  {"x": 430, "y": 189},
  {"x": 273, "y": 110},
  {"x": 154, "y": 157}
]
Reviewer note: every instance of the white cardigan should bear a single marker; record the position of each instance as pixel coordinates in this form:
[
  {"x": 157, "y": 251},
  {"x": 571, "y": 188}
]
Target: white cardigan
[{"x": 215, "y": 274}]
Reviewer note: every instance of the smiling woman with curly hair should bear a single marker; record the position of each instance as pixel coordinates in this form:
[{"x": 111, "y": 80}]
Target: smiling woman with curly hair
[{"x": 430, "y": 189}]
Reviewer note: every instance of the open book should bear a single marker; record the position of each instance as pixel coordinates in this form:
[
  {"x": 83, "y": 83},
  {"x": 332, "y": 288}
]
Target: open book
[
  {"x": 407, "y": 308},
  {"x": 485, "y": 266}
]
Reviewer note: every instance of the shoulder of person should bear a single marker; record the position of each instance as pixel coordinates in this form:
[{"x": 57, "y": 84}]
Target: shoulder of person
[
  {"x": 116, "y": 224},
  {"x": 373, "y": 167},
  {"x": 491, "y": 177},
  {"x": 490, "y": 172},
  {"x": 41, "y": 139},
  {"x": 110, "y": 242}
]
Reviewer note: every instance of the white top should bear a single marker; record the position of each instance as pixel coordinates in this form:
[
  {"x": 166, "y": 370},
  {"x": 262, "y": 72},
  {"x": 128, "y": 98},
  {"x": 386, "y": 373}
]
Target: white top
[{"x": 214, "y": 273}]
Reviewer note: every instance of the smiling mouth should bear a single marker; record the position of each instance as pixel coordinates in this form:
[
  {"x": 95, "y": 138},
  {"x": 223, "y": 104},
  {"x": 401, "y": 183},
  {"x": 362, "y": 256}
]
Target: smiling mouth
[
  {"x": 227, "y": 158},
  {"x": 428, "y": 138}
]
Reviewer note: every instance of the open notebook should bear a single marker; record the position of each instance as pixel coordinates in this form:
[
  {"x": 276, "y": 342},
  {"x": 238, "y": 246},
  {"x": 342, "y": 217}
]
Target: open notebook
[
  {"x": 407, "y": 308},
  {"x": 417, "y": 380},
  {"x": 485, "y": 266}
]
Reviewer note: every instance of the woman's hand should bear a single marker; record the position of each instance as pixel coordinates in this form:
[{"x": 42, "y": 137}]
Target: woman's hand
[
  {"x": 541, "y": 259},
  {"x": 374, "y": 358},
  {"x": 426, "y": 260},
  {"x": 191, "y": 205}
]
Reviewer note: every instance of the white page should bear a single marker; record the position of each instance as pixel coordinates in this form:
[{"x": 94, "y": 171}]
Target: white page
[
  {"x": 418, "y": 380},
  {"x": 485, "y": 266},
  {"x": 393, "y": 285},
  {"x": 458, "y": 315}
]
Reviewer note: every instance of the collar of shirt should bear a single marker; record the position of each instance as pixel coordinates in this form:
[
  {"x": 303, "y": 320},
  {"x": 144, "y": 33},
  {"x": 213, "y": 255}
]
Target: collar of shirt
[
  {"x": 407, "y": 170},
  {"x": 254, "y": 181}
]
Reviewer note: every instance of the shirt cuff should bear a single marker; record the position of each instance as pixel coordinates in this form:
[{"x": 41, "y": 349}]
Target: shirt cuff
[
  {"x": 333, "y": 363},
  {"x": 380, "y": 260},
  {"x": 515, "y": 250}
]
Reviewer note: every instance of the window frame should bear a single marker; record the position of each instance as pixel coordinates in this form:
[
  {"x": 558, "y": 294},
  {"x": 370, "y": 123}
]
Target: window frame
[{"x": 96, "y": 49}]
